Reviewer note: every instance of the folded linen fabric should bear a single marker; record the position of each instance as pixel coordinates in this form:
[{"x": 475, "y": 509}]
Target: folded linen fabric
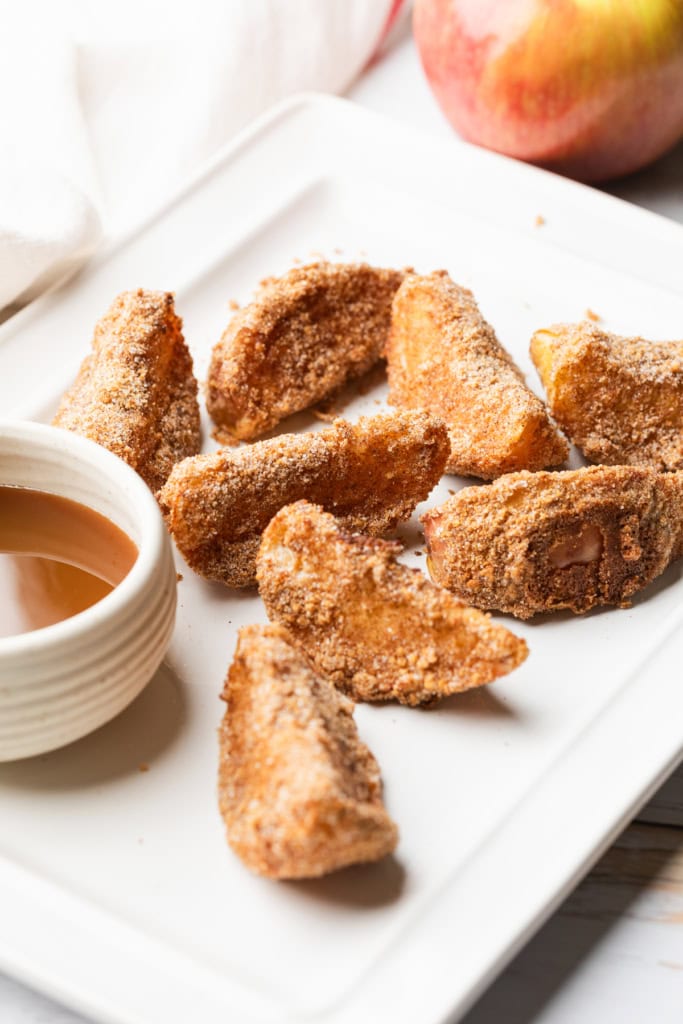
[{"x": 107, "y": 108}]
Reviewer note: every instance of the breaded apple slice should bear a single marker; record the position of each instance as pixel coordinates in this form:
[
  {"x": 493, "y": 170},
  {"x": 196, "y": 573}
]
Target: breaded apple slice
[
  {"x": 620, "y": 400},
  {"x": 135, "y": 394},
  {"x": 540, "y": 542},
  {"x": 299, "y": 793},
  {"x": 443, "y": 356},
  {"x": 377, "y": 629},
  {"x": 371, "y": 475},
  {"x": 304, "y": 336}
]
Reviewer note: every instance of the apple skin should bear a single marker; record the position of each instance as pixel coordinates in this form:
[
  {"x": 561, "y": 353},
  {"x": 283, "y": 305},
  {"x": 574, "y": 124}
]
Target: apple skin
[{"x": 589, "y": 88}]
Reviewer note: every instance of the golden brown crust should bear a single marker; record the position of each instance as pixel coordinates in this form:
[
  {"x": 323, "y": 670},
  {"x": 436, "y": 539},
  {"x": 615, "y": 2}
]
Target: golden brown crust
[
  {"x": 620, "y": 400},
  {"x": 538, "y": 542},
  {"x": 304, "y": 336},
  {"x": 299, "y": 793},
  {"x": 443, "y": 356},
  {"x": 371, "y": 475},
  {"x": 377, "y": 629},
  {"x": 135, "y": 394}
]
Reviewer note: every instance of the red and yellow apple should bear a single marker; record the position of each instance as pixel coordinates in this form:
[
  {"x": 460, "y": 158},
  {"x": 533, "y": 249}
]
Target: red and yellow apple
[{"x": 589, "y": 88}]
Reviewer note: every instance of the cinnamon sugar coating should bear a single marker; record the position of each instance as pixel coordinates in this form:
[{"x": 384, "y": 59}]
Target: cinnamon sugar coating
[
  {"x": 620, "y": 400},
  {"x": 371, "y": 474},
  {"x": 377, "y": 629},
  {"x": 299, "y": 792},
  {"x": 135, "y": 394},
  {"x": 443, "y": 356},
  {"x": 305, "y": 335},
  {"x": 539, "y": 542}
]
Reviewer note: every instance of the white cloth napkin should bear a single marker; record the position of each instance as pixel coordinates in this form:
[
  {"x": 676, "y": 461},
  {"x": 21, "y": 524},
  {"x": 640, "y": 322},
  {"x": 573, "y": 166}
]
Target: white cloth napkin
[{"x": 105, "y": 108}]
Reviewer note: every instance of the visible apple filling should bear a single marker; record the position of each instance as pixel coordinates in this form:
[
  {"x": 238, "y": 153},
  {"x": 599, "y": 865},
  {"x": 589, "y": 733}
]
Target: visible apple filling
[{"x": 581, "y": 548}]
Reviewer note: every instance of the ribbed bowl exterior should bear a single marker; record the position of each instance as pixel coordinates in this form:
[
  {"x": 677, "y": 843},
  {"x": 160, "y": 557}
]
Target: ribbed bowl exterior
[{"x": 59, "y": 683}]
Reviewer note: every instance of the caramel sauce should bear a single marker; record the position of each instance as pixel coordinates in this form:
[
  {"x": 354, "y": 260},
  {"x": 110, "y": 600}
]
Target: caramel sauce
[{"x": 57, "y": 558}]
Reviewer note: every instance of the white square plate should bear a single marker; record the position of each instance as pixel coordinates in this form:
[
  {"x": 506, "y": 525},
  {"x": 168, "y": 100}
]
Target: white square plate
[{"x": 118, "y": 893}]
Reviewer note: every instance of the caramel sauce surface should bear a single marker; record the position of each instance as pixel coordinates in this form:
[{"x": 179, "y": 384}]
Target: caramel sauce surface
[{"x": 57, "y": 558}]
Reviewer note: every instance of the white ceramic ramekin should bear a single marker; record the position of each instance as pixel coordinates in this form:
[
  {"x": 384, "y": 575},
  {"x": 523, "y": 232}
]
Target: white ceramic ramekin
[{"x": 63, "y": 681}]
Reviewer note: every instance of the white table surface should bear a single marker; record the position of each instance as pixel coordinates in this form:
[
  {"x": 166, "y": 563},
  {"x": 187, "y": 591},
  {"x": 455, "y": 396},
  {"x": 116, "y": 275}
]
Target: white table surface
[{"x": 613, "y": 953}]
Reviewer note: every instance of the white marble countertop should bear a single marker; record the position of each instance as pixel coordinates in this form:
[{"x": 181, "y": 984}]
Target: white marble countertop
[{"x": 613, "y": 953}]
